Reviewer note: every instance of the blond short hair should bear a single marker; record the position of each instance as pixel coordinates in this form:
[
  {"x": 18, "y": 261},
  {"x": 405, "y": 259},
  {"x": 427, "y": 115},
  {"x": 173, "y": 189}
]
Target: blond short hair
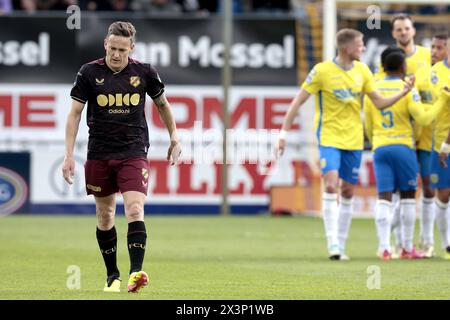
[{"x": 346, "y": 36}]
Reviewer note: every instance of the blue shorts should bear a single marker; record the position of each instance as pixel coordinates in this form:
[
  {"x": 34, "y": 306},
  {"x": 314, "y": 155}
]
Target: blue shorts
[
  {"x": 396, "y": 168},
  {"x": 424, "y": 158},
  {"x": 346, "y": 162},
  {"x": 440, "y": 177}
]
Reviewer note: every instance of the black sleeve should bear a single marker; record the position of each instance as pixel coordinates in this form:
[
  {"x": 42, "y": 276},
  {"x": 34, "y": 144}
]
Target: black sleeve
[
  {"x": 80, "y": 89},
  {"x": 155, "y": 87}
]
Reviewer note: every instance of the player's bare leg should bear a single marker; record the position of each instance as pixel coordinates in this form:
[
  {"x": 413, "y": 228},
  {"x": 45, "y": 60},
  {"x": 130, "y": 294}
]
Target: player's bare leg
[
  {"x": 345, "y": 215},
  {"x": 107, "y": 240},
  {"x": 330, "y": 212},
  {"x": 136, "y": 238}
]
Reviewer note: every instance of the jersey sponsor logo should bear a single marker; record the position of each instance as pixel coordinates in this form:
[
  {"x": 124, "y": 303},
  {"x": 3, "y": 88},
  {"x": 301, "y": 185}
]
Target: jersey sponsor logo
[
  {"x": 94, "y": 188},
  {"x": 13, "y": 191},
  {"x": 346, "y": 93},
  {"x": 99, "y": 82},
  {"x": 118, "y": 100},
  {"x": 135, "y": 81}
]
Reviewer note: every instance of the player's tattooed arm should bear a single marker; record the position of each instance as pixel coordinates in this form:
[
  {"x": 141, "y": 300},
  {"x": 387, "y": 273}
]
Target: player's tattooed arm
[
  {"x": 161, "y": 101},
  {"x": 165, "y": 111}
]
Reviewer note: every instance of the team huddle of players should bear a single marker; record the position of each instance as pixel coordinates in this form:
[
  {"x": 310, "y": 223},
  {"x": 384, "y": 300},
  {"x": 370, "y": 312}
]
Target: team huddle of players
[{"x": 406, "y": 118}]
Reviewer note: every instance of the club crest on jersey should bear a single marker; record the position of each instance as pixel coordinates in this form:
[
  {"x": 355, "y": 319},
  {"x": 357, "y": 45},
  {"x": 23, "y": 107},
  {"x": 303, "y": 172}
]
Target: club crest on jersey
[
  {"x": 135, "y": 81},
  {"x": 99, "y": 82},
  {"x": 434, "y": 77},
  {"x": 358, "y": 79}
]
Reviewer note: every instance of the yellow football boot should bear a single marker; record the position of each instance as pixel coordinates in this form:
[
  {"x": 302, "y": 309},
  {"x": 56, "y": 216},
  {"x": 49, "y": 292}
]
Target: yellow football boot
[{"x": 137, "y": 280}]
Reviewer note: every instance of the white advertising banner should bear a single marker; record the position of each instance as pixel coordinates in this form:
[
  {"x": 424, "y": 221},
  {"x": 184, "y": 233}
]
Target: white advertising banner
[{"x": 35, "y": 115}]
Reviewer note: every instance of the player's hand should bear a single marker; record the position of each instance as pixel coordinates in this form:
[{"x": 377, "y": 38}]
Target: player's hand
[
  {"x": 68, "y": 169},
  {"x": 443, "y": 159},
  {"x": 409, "y": 83},
  {"x": 174, "y": 152},
  {"x": 279, "y": 147}
]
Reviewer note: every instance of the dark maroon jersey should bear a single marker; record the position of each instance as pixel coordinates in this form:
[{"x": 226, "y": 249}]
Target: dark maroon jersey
[{"x": 115, "y": 111}]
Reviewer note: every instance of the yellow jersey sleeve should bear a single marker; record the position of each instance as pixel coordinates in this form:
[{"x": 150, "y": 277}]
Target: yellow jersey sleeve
[
  {"x": 313, "y": 82},
  {"x": 424, "y": 115},
  {"x": 369, "y": 81},
  {"x": 368, "y": 119},
  {"x": 440, "y": 77}
]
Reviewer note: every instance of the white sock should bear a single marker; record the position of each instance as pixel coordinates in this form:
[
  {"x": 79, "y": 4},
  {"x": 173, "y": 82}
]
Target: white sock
[
  {"x": 396, "y": 221},
  {"x": 442, "y": 221},
  {"x": 408, "y": 219},
  {"x": 383, "y": 216},
  {"x": 427, "y": 221},
  {"x": 344, "y": 221},
  {"x": 330, "y": 217}
]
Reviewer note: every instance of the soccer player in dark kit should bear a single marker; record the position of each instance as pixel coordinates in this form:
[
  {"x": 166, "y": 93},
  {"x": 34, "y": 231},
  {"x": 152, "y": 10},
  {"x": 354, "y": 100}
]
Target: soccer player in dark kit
[{"x": 114, "y": 88}]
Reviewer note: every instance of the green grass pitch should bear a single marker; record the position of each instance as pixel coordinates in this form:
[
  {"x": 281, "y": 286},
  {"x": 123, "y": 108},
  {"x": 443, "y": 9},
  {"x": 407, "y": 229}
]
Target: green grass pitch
[{"x": 210, "y": 257}]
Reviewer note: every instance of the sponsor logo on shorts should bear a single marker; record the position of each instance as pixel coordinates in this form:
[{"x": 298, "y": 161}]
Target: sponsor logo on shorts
[
  {"x": 323, "y": 163},
  {"x": 434, "y": 178},
  {"x": 93, "y": 188},
  {"x": 145, "y": 173},
  {"x": 13, "y": 191},
  {"x": 412, "y": 183}
]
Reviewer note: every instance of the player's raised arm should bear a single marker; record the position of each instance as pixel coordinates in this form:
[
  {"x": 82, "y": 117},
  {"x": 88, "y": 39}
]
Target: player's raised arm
[
  {"x": 368, "y": 119},
  {"x": 384, "y": 102},
  {"x": 291, "y": 113},
  {"x": 424, "y": 116},
  {"x": 165, "y": 111},
  {"x": 72, "y": 124}
]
